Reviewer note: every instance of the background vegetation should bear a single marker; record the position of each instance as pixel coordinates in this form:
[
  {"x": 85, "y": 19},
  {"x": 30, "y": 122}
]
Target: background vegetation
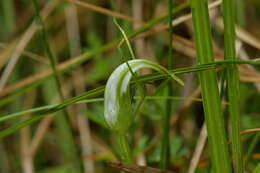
[{"x": 57, "y": 55}]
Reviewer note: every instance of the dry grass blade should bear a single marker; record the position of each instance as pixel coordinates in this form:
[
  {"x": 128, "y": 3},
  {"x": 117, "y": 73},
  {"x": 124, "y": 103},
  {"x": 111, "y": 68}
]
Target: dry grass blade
[
  {"x": 9, "y": 48},
  {"x": 177, "y": 21},
  {"x": 250, "y": 131},
  {"x": 78, "y": 82},
  {"x": 135, "y": 168},
  {"x": 198, "y": 150},
  {"x": 243, "y": 35},
  {"x": 103, "y": 10}
]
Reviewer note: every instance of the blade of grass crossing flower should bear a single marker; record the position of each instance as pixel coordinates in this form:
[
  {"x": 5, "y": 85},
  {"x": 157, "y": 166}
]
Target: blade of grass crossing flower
[
  {"x": 125, "y": 38},
  {"x": 210, "y": 94},
  {"x": 233, "y": 84},
  {"x": 141, "y": 88},
  {"x": 118, "y": 111},
  {"x": 98, "y": 91},
  {"x": 124, "y": 147}
]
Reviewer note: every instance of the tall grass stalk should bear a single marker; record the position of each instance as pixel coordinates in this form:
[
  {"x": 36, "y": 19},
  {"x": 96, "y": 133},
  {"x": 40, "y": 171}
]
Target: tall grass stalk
[
  {"x": 210, "y": 94},
  {"x": 233, "y": 83},
  {"x": 165, "y": 148}
]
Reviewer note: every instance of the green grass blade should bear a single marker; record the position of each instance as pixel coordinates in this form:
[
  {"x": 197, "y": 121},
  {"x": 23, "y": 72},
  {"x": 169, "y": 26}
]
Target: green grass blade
[
  {"x": 210, "y": 94},
  {"x": 99, "y": 91},
  {"x": 233, "y": 84},
  {"x": 165, "y": 148}
]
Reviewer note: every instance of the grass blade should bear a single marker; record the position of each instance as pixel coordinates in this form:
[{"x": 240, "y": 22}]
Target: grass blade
[
  {"x": 98, "y": 91},
  {"x": 165, "y": 148},
  {"x": 210, "y": 94},
  {"x": 233, "y": 84}
]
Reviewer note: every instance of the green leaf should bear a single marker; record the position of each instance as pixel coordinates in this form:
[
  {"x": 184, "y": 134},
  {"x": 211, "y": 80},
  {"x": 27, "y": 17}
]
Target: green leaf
[{"x": 118, "y": 112}]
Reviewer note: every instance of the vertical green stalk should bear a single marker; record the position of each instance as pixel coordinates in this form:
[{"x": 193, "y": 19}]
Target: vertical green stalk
[
  {"x": 241, "y": 21},
  {"x": 124, "y": 148},
  {"x": 233, "y": 83},
  {"x": 210, "y": 94},
  {"x": 165, "y": 149},
  {"x": 68, "y": 147}
]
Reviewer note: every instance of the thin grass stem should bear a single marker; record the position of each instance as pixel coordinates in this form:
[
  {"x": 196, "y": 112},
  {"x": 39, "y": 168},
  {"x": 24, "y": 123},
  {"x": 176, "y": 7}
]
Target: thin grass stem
[
  {"x": 233, "y": 84},
  {"x": 165, "y": 148}
]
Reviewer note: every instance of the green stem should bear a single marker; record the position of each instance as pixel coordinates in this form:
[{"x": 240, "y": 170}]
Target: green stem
[
  {"x": 124, "y": 148},
  {"x": 233, "y": 84},
  {"x": 209, "y": 87},
  {"x": 165, "y": 150}
]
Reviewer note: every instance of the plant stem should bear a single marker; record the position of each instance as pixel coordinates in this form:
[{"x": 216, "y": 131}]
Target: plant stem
[
  {"x": 165, "y": 150},
  {"x": 210, "y": 94},
  {"x": 233, "y": 84},
  {"x": 124, "y": 149}
]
